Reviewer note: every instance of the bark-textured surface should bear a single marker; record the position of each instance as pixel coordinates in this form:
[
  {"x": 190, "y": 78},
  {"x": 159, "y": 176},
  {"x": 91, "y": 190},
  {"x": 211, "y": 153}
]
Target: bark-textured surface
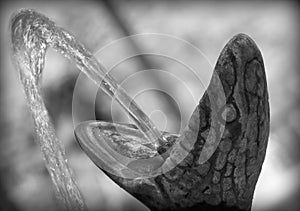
[{"x": 225, "y": 181}]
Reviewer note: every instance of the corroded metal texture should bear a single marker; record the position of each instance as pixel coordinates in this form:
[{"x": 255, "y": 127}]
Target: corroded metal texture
[{"x": 225, "y": 180}]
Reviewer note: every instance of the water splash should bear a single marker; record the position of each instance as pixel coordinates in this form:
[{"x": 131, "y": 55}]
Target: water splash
[{"x": 31, "y": 34}]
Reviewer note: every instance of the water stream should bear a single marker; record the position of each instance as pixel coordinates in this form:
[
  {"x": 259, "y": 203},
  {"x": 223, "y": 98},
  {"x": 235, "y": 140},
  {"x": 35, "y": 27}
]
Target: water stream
[{"x": 31, "y": 34}]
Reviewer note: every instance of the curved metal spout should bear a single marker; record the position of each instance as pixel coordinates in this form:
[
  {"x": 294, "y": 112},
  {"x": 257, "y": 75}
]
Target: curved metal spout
[{"x": 209, "y": 166}]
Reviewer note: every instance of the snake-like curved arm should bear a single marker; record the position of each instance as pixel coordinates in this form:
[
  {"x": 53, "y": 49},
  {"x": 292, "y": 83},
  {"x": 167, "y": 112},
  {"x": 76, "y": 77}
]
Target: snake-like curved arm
[{"x": 189, "y": 178}]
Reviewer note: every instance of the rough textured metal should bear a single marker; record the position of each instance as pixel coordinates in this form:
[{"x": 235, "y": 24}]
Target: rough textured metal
[{"x": 226, "y": 181}]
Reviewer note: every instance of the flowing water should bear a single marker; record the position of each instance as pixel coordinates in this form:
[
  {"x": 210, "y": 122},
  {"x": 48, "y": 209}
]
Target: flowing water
[{"x": 32, "y": 33}]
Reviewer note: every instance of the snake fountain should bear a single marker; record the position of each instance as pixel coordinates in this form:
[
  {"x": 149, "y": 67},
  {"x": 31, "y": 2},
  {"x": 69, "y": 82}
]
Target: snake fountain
[{"x": 213, "y": 165}]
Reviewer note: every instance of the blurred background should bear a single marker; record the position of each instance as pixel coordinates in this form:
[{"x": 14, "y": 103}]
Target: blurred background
[{"x": 207, "y": 25}]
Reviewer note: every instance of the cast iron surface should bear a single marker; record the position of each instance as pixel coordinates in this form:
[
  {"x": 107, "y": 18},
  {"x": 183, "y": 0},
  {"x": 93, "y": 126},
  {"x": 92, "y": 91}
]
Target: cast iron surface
[{"x": 226, "y": 181}]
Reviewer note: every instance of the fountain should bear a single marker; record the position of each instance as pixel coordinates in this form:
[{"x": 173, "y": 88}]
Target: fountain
[{"x": 214, "y": 164}]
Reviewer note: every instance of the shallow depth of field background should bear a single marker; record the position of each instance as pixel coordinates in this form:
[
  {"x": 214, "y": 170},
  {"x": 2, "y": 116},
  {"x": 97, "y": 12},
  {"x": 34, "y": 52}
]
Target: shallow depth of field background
[{"x": 24, "y": 181}]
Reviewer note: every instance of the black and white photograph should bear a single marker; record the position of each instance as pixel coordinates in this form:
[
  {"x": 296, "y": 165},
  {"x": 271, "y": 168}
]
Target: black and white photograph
[{"x": 135, "y": 105}]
